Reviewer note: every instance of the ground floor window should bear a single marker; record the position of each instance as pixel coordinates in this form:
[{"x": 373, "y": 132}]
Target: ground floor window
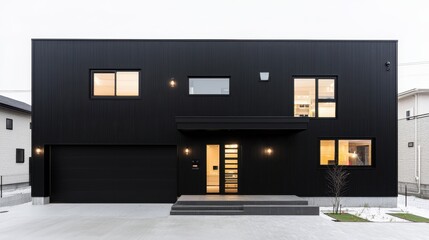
[{"x": 346, "y": 152}]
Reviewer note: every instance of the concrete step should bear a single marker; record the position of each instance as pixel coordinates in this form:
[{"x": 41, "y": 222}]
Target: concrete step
[
  {"x": 242, "y": 205},
  {"x": 206, "y": 212},
  {"x": 280, "y": 210},
  {"x": 206, "y": 207},
  {"x": 240, "y": 200}
]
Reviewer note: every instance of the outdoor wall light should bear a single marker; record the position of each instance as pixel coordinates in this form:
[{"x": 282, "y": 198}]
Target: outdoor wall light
[
  {"x": 264, "y": 76},
  {"x": 268, "y": 151},
  {"x": 387, "y": 65},
  {"x": 187, "y": 151},
  {"x": 38, "y": 150},
  {"x": 172, "y": 83}
]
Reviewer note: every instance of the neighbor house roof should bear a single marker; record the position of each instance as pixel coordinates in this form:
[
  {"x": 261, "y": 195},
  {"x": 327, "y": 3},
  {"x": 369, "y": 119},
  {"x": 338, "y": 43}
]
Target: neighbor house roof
[
  {"x": 14, "y": 104},
  {"x": 412, "y": 92}
]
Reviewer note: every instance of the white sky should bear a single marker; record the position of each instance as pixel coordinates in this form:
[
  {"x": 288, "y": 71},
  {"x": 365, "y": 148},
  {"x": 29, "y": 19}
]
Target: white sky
[{"x": 22, "y": 20}]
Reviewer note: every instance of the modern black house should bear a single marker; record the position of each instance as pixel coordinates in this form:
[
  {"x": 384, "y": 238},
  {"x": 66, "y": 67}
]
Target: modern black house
[{"x": 145, "y": 121}]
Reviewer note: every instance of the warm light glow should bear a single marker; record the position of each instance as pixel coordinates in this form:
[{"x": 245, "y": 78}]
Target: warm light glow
[
  {"x": 38, "y": 150},
  {"x": 353, "y": 155},
  {"x": 231, "y": 146},
  {"x": 187, "y": 151},
  {"x": 268, "y": 151},
  {"x": 172, "y": 83}
]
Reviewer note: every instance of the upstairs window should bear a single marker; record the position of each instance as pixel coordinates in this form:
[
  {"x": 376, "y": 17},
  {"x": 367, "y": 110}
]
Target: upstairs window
[
  {"x": 208, "y": 86},
  {"x": 115, "y": 83},
  {"x": 9, "y": 124},
  {"x": 314, "y": 97}
]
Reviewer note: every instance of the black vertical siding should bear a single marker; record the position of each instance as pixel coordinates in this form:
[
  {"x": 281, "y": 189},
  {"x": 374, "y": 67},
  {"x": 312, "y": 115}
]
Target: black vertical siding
[{"x": 64, "y": 113}]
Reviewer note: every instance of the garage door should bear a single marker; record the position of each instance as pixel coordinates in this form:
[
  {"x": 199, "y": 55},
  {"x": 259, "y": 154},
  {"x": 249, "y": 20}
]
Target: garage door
[{"x": 113, "y": 174}]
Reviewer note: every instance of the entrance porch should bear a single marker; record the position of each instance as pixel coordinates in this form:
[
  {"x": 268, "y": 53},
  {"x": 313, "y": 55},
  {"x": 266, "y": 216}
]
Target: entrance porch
[{"x": 242, "y": 205}]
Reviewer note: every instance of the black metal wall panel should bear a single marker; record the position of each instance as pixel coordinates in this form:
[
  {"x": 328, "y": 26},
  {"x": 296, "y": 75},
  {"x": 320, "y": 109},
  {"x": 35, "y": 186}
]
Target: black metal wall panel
[
  {"x": 64, "y": 113},
  {"x": 113, "y": 174}
]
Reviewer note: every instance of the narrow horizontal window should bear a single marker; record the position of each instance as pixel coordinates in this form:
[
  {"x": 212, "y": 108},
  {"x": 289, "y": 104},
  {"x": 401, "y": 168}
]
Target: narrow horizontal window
[
  {"x": 209, "y": 86},
  {"x": 326, "y": 109},
  {"x": 116, "y": 83}
]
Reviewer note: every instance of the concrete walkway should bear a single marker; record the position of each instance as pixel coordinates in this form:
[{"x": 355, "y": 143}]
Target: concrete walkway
[{"x": 152, "y": 221}]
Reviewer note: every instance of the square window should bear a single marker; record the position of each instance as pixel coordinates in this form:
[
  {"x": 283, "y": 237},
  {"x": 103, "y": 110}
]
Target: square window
[
  {"x": 127, "y": 83},
  {"x": 104, "y": 84},
  {"x": 9, "y": 124},
  {"x": 314, "y": 97},
  {"x": 326, "y": 88}
]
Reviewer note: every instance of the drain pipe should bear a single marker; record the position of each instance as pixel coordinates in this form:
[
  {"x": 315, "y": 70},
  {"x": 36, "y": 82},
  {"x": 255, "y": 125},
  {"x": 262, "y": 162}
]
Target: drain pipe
[
  {"x": 419, "y": 153},
  {"x": 417, "y": 160}
]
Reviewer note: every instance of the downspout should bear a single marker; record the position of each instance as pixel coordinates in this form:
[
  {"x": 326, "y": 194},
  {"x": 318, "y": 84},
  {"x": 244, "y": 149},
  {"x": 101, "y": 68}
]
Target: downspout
[
  {"x": 417, "y": 146},
  {"x": 420, "y": 169}
]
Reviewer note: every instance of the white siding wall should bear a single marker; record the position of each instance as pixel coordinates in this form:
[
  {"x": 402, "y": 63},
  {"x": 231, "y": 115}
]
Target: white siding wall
[
  {"x": 10, "y": 140},
  {"x": 406, "y": 133}
]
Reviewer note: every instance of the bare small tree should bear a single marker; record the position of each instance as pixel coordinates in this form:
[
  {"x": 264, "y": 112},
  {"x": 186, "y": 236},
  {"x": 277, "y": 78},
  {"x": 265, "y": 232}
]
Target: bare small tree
[{"x": 337, "y": 181}]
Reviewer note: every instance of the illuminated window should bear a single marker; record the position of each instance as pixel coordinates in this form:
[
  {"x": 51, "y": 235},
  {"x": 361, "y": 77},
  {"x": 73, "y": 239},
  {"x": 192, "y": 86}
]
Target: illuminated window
[
  {"x": 354, "y": 153},
  {"x": 116, "y": 83},
  {"x": 351, "y": 152},
  {"x": 311, "y": 103},
  {"x": 327, "y": 152}
]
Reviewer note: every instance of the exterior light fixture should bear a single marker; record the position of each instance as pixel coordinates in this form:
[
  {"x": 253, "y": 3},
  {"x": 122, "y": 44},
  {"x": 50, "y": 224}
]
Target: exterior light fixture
[
  {"x": 172, "y": 83},
  {"x": 268, "y": 151},
  {"x": 38, "y": 150},
  {"x": 387, "y": 64},
  {"x": 264, "y": 76},
  {"x": 187, "y": 151}
]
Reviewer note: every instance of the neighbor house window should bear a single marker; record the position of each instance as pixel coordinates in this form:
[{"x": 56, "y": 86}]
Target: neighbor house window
[
  {"x": 116, "y": 83},
  {"x": 9, "y": 124},
  {"x": 314, "y": 97},
  {"x": 208, "y": 86},
  {"x": 19, "y": 155},
  {"x": 346, "y": 152}
]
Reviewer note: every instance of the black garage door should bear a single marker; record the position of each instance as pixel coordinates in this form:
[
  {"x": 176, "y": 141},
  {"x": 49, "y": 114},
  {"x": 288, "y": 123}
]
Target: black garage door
[{"x": 113, "y": 174}]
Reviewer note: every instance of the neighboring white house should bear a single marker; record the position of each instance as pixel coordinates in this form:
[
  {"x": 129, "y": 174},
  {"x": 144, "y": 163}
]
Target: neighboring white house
[
  {"x": 15, "y": 142},
  {"x": 413, "y": 141}
]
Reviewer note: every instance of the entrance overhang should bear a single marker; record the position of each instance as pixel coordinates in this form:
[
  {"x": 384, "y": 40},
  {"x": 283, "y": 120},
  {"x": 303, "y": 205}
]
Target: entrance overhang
[{"x": 190, "y": 123}]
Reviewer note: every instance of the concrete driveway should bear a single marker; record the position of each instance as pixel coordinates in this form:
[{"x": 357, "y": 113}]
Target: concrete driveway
[{"x": 152, "y": 221}]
